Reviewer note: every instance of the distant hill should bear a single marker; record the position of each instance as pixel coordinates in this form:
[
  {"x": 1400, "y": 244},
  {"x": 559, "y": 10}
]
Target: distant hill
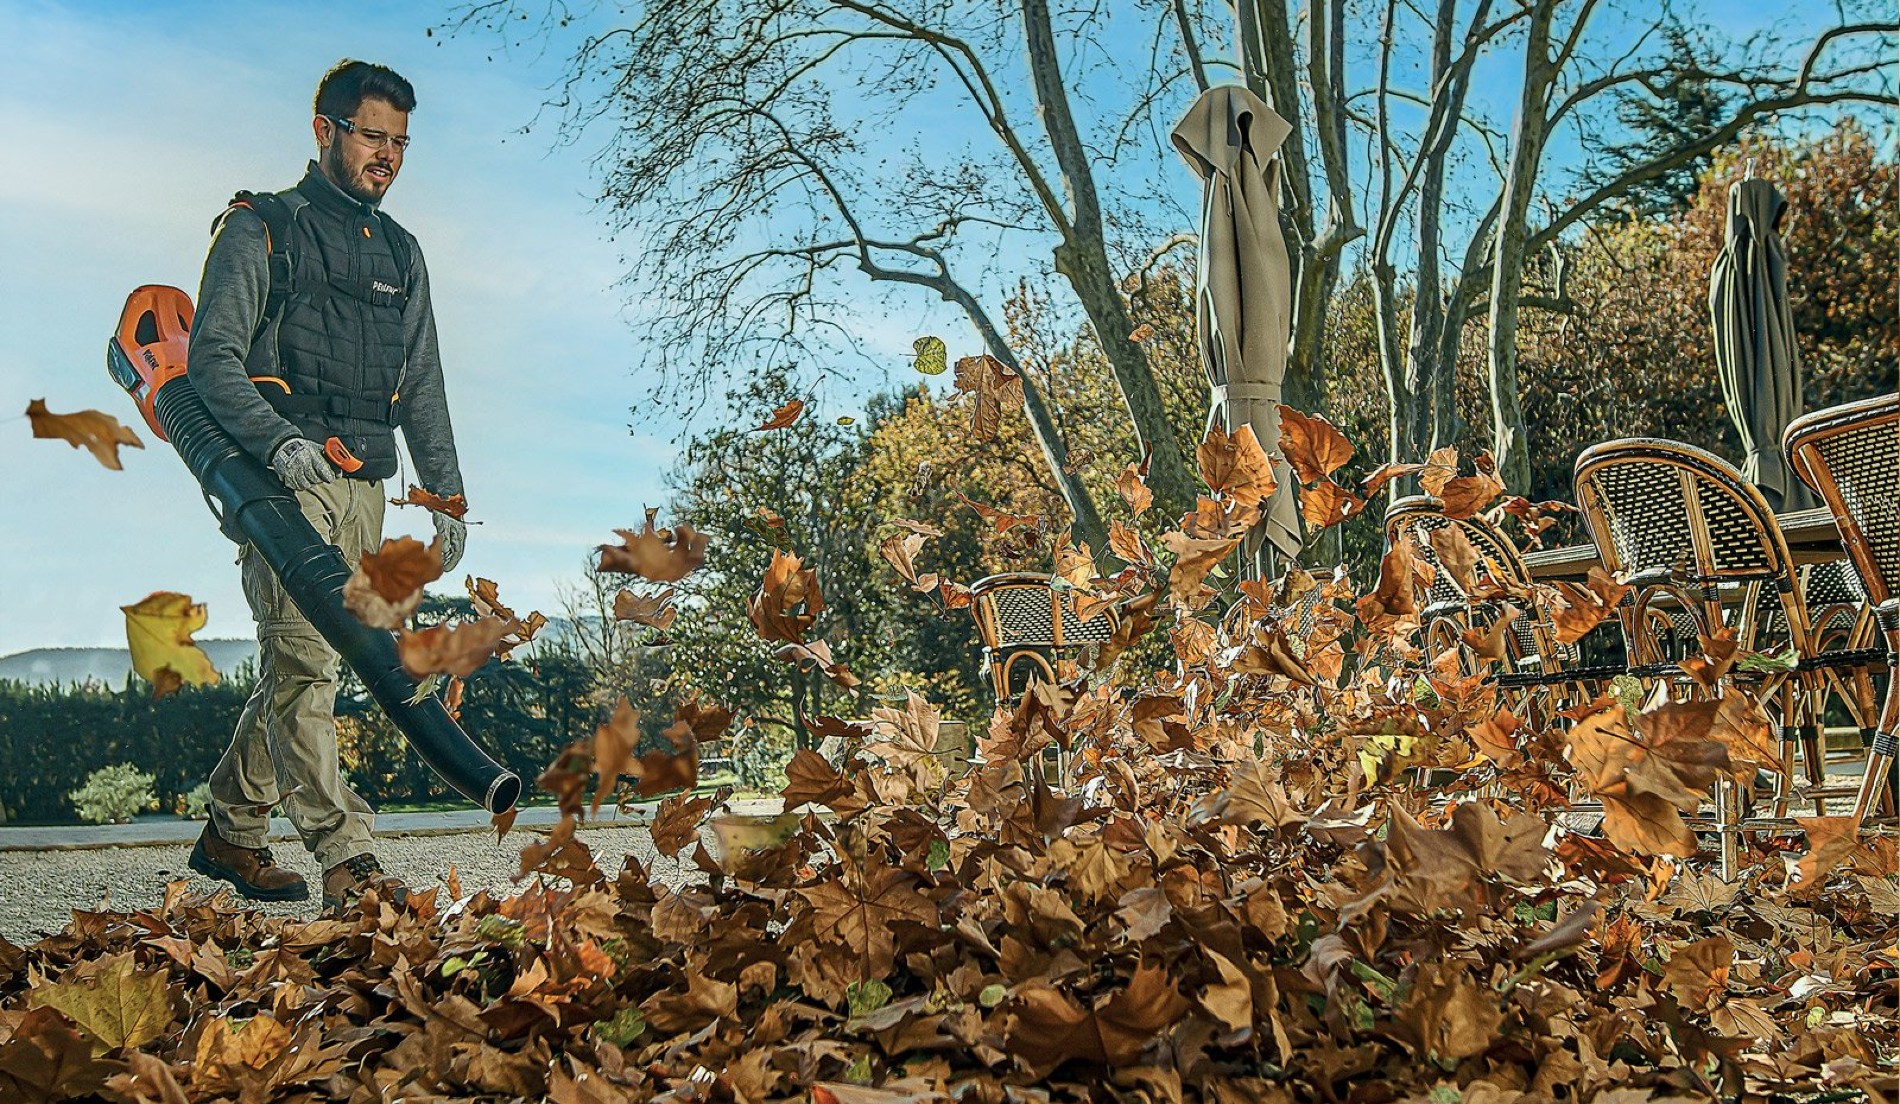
[{"x": 109, "y": 666}]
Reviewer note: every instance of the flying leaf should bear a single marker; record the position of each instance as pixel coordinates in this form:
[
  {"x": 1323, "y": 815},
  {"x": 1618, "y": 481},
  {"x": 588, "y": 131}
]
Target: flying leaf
[
  {"x": 1386, "y": 473},
  {"x": 1313, "y": 445},
  {"x": 783, "y": 417},
  {"x": 1133, "y": 486},
  {"x": 1236, "y": 467},
  {"x": 1193, "y": 559},
  {"x": 932, "y": 358},
  {"x": 787, "y": 602},
  {"x": 454, "y": 506},
  {"x": 655, "y": 610},
  {"x": 1440, "y": 468},
  {"x": 158, "y": 632},
  {"x": 614, "y": 742},
  {"x": 1326, "y": 504},
  {"x": 660, "y": 555},
  {"x": 900, "y": 551},
  {"x": 99, "y": 434},
  {"x": 456, "y": 649},
  {"x": 1830, "y": 841},
  {"x": 485, "y": 596},
  {"x": 998, "y": 390},
  {"x": 386, "y": 586},
  {"x": 999, "y": 520}
]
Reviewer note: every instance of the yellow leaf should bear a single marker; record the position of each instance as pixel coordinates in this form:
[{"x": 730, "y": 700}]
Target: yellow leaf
[
  {"x": 113, "y": 1001},
  {"x": 158, "y": 631}
]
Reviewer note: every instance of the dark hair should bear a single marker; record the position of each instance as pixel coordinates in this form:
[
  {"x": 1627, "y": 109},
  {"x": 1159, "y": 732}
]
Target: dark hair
[{"x": 348, "y": 83}]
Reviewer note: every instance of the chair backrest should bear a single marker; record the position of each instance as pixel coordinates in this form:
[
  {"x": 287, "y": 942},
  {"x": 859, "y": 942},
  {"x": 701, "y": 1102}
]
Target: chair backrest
[
  {"x": 1672, "y": 509},
  {"x": 1418, "y": 516},
  {"x": 1024, "y": 610},
  {"x": 1850, "y": 455}
]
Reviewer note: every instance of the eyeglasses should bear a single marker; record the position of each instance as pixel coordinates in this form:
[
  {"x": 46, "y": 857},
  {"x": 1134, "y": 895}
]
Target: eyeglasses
[{"x": 375, "y": 139}]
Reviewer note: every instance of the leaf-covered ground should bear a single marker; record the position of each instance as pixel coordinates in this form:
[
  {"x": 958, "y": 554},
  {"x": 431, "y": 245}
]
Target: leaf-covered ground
[{"x": 1242, "y": 892}]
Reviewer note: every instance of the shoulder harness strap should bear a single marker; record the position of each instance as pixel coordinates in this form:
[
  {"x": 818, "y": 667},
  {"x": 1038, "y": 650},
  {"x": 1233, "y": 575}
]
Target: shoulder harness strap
[
  {"x": 400, "y": 248},
  {"x": 279, "y": 214}
]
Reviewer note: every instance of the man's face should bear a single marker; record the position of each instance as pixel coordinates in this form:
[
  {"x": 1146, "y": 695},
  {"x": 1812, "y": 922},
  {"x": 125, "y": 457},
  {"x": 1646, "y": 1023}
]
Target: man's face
[{"x": 364, "y": 164}]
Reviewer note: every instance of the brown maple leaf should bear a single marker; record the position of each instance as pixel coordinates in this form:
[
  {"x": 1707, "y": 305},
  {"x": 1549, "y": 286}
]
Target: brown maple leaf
[
  {"x": 857, "y": 908},
  {"x": 1046, "y": 1027},
  {"x": 654, "y": 610},
  {"x": 1132, "y": 484},
  {"x": 454, "y": 506},
  {"x": 817, "y": 656},
  {"x": 614, "y": 742},
  {"x": 1193, "y": 559},
  {"x": 449, "y": 648},
  {"x": 787, "y": 602},
  {"x": 810, "y": 779},
  {"x": 783, "y": 417},
  {"x": 659, "y": 555},
  {"x": 386, "y": 586},
  {"x": 99, "y": 434},
  {"x": 1326, "y": 504},
  {"x": 676, "y": 822},
  {"x": 1386, "y": 473},
  {"x": 1236, "y": 467},
  {"x": 998, "y": 390},
  {"x": 1000, "y": 521},
  {"x": 1313, "y": 445},
  {"x": 900, "y": 551}
]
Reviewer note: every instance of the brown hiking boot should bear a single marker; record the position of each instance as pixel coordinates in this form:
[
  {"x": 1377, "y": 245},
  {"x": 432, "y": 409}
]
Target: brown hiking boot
[
  {"x": 347, "y": 880},
  {"x": 252, "y": 870}
]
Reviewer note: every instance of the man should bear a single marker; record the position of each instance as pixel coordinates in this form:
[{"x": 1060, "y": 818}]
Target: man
[{"x": 313, "y": 341}]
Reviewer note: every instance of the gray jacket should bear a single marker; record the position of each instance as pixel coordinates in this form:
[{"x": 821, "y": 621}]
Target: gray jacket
[{"x": 230, "y": 308}]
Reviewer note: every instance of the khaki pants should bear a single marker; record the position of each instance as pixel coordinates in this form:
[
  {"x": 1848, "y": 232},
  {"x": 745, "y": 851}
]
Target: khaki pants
[{"x": 285, "y": 744}]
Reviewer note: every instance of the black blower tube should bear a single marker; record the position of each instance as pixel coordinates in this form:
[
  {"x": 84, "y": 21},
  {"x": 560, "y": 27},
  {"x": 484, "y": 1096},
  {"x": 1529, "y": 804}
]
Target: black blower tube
[{"x": 256, "y": 508}]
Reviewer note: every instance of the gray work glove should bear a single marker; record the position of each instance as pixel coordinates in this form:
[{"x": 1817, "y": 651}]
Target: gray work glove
[
  {"x": 454, "y": 537},
  {"x": 301, "y": 465}
]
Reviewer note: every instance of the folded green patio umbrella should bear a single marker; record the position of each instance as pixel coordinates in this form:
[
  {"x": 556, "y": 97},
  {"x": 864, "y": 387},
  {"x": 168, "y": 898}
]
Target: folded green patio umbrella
[
  {"x": 1243, "y": 302},
  {"x": 1755, "y": 352}
]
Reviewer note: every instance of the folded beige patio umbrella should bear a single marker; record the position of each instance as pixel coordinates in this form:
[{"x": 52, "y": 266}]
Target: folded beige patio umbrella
[
  {"x": 1755, "y": 353},
  {"x": 1244, "y": 294}
]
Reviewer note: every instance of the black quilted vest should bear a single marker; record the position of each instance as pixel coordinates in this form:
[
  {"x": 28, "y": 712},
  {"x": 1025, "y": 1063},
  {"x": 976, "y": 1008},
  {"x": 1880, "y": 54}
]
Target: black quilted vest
[{"x": 329, "y": 355}]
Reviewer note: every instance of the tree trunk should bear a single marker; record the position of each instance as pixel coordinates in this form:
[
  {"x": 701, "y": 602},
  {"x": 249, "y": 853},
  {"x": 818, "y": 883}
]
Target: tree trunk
[
  {"x": 1507, "y": 260},
  {"x": 1082, "y": 258},
  {"x": 1087, "y": 524}
]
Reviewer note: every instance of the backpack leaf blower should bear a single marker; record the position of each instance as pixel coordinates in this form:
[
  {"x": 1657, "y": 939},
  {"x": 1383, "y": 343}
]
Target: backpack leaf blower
[{"x": 146, "y": 356}]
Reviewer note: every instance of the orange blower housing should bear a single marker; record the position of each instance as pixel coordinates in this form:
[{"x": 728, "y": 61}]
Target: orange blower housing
[{"x": 148, "y": 349}]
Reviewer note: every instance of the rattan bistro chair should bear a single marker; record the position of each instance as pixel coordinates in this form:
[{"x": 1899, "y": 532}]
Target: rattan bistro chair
[
  {"x": 1026, "y": 624},
  {"x": 1537, "y": 665},
  {"x": 1850, "y": 455},
  {"x": 1703, "y": 552}
]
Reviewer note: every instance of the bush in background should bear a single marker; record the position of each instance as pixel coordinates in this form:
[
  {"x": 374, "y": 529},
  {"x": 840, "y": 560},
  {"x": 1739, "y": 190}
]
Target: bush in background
[
  {"x": 195, "y": 804},
  {"x": 114, "y": 795}
]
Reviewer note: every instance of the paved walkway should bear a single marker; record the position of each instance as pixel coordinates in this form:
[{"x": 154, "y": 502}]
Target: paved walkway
[{"x": 157, "y": 831}]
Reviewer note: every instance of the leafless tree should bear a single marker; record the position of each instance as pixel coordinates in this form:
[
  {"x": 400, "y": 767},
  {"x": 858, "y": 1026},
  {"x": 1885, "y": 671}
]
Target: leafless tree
[
  {"x": 755, "y": 155},
  {"x": 1457, "y": 205}
]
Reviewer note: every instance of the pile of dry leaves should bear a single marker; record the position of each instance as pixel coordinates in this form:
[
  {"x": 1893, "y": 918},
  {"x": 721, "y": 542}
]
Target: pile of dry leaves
[{"x": 1240, "y": 893}]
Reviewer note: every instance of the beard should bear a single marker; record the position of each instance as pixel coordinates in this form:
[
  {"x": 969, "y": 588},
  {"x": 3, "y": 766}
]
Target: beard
[{"x": 355, "y": 184}]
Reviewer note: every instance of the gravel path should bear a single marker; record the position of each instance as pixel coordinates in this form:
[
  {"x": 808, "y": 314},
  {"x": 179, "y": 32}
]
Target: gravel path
[{"x": 39, "y": 890}]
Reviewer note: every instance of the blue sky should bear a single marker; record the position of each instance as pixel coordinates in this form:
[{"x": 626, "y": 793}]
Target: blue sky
[{"x": 126, "y": 130}]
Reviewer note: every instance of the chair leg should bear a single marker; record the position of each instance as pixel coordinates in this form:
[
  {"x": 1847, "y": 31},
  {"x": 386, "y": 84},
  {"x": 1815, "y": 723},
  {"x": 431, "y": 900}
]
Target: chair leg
[
  {"x": 1879, "y": 762},
  {"x": 1790, "y": 741},
  {"x": 1728, "y": 822}
]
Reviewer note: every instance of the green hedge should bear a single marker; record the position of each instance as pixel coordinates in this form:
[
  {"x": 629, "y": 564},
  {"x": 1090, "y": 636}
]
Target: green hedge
[{"x": 52, "y": 738}]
